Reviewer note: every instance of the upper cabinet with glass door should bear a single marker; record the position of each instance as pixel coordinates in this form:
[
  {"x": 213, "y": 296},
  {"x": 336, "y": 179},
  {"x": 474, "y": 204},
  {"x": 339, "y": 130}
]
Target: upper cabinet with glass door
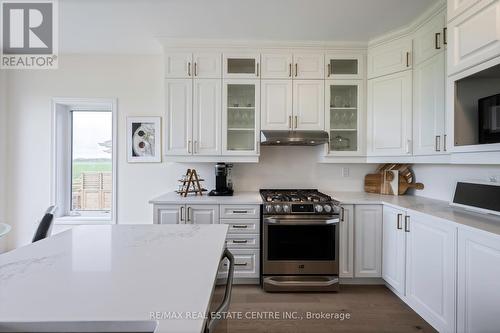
[
  {"x": 241, "y": 66},
  {"x": 344, "y": 117},
  {"x": 241, "y": 117},
  {"x": 344, "y": 66}
]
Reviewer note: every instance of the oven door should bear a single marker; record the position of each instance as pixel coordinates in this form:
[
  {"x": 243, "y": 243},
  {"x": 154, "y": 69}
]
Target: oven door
[{"x": 300, "y": 245}]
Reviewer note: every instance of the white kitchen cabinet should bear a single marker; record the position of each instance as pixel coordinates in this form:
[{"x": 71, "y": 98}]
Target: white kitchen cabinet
[
  {"x": 179, "y": 116},
  {"x": 429, "y": 39},
  {"x": 184, "y": 65},
  {"x": 368, "y": 241},
  {"x": 474, "y": 36},
  {"x": 241, "y": 117},
  {"x": 478, "y": 281},
  {"x": 207, "y": 117},
  {"x": 456, "y": 7},
  {"x": 346, "y": 239},
  {"x": 309, "y": 65},
  {"x": 169, "y": 214},
  {"x": 344, "y": 117},
  {"x": 390, "y": 57},
  {"x": 429, "y": 110},
  {"x": 389, "y": 115},
  {"x": 207, "y": 65},
  {"x": 277, "y": 65},
  {"x": 246, "y": 264},
  {"x": 394, "y": 249},
  {"x": 186, "y": 214},
  {"x": 345, "y": 66},
  {"x": 241, "y": 65},
  {"x": 178, "y": 65},
  {"x": 431, "y": 269},
  {"x": 276, "y": 105},
  {"x": 308, "y": 104},
  {"x": 202, "y": 214}
]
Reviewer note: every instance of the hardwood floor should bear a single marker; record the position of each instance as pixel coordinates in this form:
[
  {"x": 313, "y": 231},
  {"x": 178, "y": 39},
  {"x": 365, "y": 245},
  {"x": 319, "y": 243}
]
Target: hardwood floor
[{"x": 371, "y": 309}]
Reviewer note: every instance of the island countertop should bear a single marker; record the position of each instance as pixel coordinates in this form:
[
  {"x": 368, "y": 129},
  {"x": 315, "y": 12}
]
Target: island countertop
[{"x": 114, "y": 273}]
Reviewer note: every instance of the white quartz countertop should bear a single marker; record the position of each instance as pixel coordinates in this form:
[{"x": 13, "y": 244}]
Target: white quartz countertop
[
  {"x": 436, "y": 208},
  {"x": 239, "y": 198},
  {"x": 114, "y": 273}
]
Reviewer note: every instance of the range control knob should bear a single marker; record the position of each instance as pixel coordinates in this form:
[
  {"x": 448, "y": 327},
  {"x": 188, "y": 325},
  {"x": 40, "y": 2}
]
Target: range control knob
[
  {"x": 318, "y": 208},
  {"x": 269, "y": 208},
  {"x": 277, "y": 208},
  {"x": 286, "y": 208},
  {"x": 327, "y": 208}
]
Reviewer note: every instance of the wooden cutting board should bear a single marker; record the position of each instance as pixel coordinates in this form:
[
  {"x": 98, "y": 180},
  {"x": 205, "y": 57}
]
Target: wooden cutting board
[
  {"x": 374, "y": 183},
  {"x": 404, "y": 185}
]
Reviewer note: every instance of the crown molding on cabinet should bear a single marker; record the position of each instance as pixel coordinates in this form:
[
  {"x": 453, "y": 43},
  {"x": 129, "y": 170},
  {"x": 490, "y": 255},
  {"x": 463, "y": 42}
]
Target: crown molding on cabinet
[
  {"x": 410, "y": 28},
  {"x": 176, "y": 43}
]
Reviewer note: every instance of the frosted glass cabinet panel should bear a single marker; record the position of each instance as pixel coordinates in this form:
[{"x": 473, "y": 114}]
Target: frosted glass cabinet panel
[
  {"x": 344, "y": 66},
  {"x": 239, "y": 66},
  {"x": 344, "y": 113},
  {"x": 241, "y": 117}
]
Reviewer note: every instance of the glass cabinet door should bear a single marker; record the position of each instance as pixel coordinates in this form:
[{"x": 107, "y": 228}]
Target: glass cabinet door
[
  {"x": 239, "y": 66},
  {"x": 344, "y": 116},
  {"x": 241, "y": 116},
  {"x": 344, "y": 66}
]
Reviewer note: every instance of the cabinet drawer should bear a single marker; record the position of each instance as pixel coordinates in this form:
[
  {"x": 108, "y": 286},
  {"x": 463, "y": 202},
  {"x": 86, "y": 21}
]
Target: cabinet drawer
[
  {"x": 242, "y": 241},
  {"x": 246, "y": 264},
  {"x": 242, "y": 226},
  {"x": 240, "y": 211}
]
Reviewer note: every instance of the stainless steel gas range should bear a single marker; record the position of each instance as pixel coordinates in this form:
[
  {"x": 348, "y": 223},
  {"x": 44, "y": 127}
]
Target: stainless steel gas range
[{"x": 300, "y": 241}]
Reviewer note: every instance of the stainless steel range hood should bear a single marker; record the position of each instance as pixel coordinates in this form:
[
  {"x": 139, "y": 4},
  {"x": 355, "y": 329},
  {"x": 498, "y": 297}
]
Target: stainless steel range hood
[{"x": 293, "y": 138}]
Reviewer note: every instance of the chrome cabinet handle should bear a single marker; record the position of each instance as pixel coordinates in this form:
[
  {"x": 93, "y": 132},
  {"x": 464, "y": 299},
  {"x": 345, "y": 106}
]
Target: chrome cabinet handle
[
  {"x": 407, "y": 59},
  {"x": 195, "y": 147},
  {"x": 445, "y": 36},
  {"x": 296, "y": 121},
  {"x": 444, "y": 143},
  {"x": 289, "y": 121},
  {"x": 240, "y": 211},
  {"x": 398, "y": 225},
  {"x": 437, "y": 37},
  {"x": 195, "y": 69},
  {"x": 241, "y": 264},
  {"x": 407, "y": 224},
  {"x": 408, "y": 142},
  {"x": 189, "y": 68},
  {"x": 257, "y": 70},
  {"x": 189, "y": 146},
  {"x": 235, "y": 241},
  {"x": 290, "y": 70},
  {"x": 342, "y": 214},
  {"x": 239, "y": 226},
  {"x": 182, "y": 213},
  {"x": 189, "y": 214},
  {"x": 329, "y": 70},
  {"x": 296, "y": 69},
  {"x": 438, "y": 143}
]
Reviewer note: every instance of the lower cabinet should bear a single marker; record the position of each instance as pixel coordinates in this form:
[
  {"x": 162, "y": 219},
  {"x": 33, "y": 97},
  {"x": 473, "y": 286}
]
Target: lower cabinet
[
  {"x": 478, "y": 282},
  {"x": 346, "y": 240},
  {"x": 368, "y": 241},
  {"x": 394, "y": 249},
  {"x": 186, "y": 214},
  {"x": 431, "y": 269}
]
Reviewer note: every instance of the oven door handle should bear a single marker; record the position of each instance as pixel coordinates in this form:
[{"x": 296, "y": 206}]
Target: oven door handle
[{"x": 285, "y": 221}]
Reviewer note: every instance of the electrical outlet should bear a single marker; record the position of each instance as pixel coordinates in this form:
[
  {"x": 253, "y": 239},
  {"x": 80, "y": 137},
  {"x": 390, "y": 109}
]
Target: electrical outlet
[{"x": 345, "y": 172}]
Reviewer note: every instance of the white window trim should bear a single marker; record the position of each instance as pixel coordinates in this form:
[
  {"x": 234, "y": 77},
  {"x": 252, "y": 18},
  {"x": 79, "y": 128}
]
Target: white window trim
[{"x": 61, "y": 159}]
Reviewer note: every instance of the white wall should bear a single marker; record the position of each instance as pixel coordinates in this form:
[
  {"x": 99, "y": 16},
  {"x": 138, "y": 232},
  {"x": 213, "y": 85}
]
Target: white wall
[
  {"x": 439, "y": 180},
  {"x": 136, "y": 81}
]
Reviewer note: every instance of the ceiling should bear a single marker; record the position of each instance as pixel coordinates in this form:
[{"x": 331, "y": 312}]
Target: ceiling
[{"x": 128, "y": 26}]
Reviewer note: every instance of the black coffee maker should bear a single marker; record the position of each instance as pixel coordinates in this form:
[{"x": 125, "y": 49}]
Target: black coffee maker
[{"x": 223, "y": 183}]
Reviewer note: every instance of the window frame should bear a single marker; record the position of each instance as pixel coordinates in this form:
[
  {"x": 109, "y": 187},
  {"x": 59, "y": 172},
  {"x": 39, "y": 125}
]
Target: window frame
[{"x": 62, "y": 159}]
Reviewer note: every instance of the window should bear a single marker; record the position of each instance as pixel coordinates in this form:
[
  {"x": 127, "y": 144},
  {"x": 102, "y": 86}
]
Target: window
[{"x": 84, "y": 157}]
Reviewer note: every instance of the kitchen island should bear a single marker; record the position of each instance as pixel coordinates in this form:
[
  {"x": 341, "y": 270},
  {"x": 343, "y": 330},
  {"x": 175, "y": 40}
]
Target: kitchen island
[{"x": 141, "y": 276}]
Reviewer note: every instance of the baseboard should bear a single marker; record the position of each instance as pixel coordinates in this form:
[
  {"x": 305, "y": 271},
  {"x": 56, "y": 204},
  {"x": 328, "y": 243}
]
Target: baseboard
[
  {"x": 240, "y": 281},
  {"x": 371, "y": 281}
]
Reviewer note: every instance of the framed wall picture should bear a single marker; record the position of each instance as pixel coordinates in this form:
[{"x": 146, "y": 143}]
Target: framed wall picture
[{"x": 144, "y": 139}]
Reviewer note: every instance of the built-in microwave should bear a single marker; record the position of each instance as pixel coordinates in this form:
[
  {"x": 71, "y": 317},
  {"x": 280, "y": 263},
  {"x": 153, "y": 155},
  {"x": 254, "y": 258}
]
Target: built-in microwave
[{"x": 489, "y": 119}]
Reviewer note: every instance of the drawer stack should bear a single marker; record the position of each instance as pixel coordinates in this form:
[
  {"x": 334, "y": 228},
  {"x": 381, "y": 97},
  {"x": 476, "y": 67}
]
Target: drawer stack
[{"x": 242, "y": 240}]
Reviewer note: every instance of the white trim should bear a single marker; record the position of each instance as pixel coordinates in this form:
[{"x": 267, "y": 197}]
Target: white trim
[
  {"x": 59, "y": 160},
  {"x": 158, "y": 140}
]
